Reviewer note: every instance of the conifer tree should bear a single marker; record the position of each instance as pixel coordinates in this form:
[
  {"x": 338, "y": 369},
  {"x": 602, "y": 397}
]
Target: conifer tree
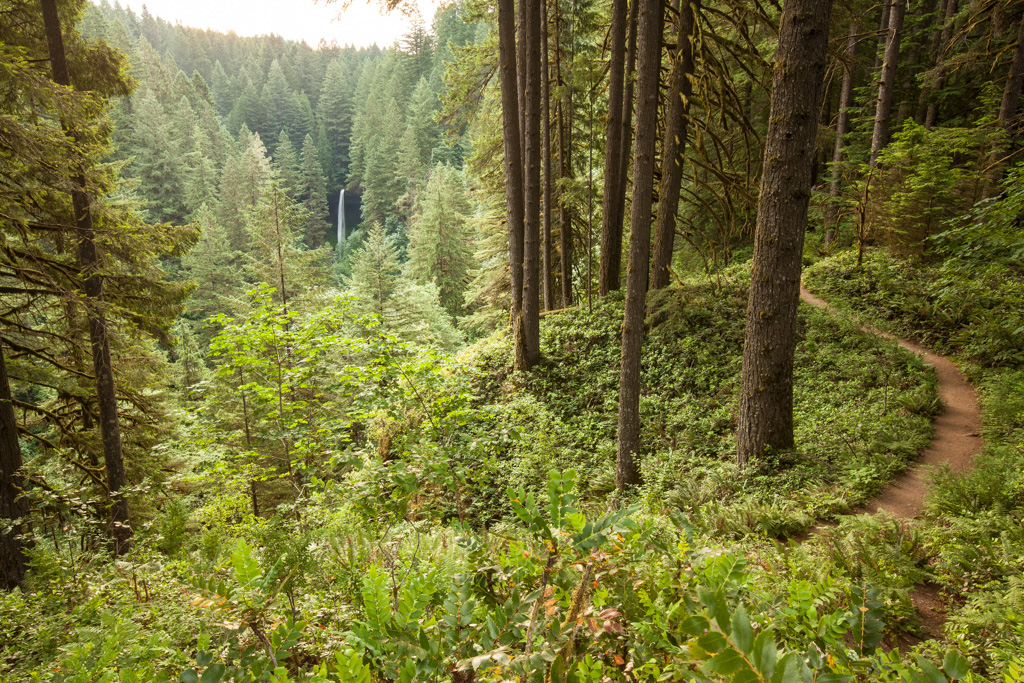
[
  {"x": 312, "y": 190},
  {"x": 286, "y": 166},
  {"x": 407, "y": 309},
  {"x": 334, "y": 112},
  {"x": 157, "y": 161},
  {"x": 441, "y": 240}
]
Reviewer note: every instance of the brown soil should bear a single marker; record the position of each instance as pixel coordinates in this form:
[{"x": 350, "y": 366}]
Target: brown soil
[{"x": 957, "y": 440}]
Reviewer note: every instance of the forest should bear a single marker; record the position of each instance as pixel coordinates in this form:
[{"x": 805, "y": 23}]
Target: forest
[{"x": 574, "y": 341}]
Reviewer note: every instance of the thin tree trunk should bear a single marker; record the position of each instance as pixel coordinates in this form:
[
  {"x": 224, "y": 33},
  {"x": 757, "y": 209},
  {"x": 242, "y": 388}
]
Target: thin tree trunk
[
  {"x": 932, "y": 115},
  {"x": 648, "y": 68},
  {"x": 842, "y": 128},
  {"x": 613, "y": 182},
  {"x": 673, "y": 145},
  {"x": 564, "y": 172},
  {"x": 530, "y": 99},
  {"x": 766, "y": 394},
  {"x": 88, "y": 261},
  {"x": 511, "y": 140},
  {"x": 549, "y": 294},
  {"x": 883, "y": 33},
  {"x": 1011, "y": 92},
  {"x": 626, "y": 139},
  {"x": 887, "y": 83},
  {"x": 14, "y": 508}
]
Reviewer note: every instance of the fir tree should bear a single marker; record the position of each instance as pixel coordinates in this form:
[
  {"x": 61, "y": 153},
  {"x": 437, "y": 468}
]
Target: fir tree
[
  {"x": 286, "y": 165},
  {"x": 314, "y": 196},
  {"x": 441, "y": 239}
]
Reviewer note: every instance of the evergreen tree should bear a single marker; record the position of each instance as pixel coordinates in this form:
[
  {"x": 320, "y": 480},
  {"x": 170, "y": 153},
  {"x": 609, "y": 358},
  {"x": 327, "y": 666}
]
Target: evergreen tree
[
  {"x": 404, "y": 308},
  {"x": 334, "y": 111},
  {"x": 157, "y": 161},
  {"x": 245, "y": 177},
  {"x": 286, "y": 166},
  {"x": 215, "y": 267},
  {"x": 441, "y": 239},
  {"x": 312, "y": 190}
]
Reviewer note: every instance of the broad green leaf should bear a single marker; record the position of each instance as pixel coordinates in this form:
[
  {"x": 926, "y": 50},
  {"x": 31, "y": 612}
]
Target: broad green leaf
[
  {"x": 955, "y": 665},
  {"x": 742, "y": 634}
]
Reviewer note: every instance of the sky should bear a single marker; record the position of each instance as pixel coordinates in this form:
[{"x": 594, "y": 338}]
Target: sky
[{"x": 360, "y": 25}]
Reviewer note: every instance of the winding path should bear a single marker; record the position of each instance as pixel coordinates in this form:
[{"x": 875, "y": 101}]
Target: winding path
[{"x": 956, "y": 441}]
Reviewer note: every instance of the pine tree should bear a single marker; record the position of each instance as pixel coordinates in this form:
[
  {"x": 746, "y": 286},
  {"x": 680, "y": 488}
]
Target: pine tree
[
  {"x": 157, "y": 161},
  {"x": 312, "y": 190},
  {"x": 243, "y": 181},
  {"x": 441, "y": 240},
  {"x": 286, "y": 166},
  {"x": 334, "y": 111},
  {"x": 404, "y": 308},
  {"x": 215, "y": 267}
]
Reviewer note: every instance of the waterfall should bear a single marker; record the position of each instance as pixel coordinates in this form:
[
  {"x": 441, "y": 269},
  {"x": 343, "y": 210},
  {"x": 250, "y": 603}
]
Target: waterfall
[{"x": 341, "y": 216}]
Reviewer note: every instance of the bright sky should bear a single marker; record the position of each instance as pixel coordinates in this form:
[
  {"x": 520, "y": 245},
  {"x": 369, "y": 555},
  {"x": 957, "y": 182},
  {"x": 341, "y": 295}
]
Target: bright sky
[{"x": 361, "y": 24}]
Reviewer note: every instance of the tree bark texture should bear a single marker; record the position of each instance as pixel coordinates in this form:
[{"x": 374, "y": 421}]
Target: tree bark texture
[
  {"x": 549, "y": 295},
  {"x": 613, "y": 195},
  {"x": 842, "y": 128},
  {"x": 673, "y": 145},
  {"x": 1011, "y": 92},
  {"x": 88, "y": 261},
  {"x": 932, "y": 115},
  {"x": 565, "y": 251},
  {"x": 887, "y": 82},
  {"x": 511, "y": 140},
  {"x": 14, "y": 509},
  {"x": 766, "y": 394},
  {"x": 638, "y": 268},
  {"x": 883, "y": 34},
  {"x": 530, "y": 100}
]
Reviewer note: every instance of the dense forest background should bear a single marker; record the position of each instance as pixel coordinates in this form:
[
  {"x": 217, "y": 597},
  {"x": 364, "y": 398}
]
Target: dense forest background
[{"x": 479, "y": 357}]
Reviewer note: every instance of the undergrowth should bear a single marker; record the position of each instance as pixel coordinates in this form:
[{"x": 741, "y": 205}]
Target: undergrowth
[{"x": 966, "y": 301}]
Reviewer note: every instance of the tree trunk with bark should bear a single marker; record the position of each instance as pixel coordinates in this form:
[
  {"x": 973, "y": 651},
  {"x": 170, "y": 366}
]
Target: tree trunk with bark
[
  {"x": 887, "y": 82},
  {"x": 613, "y": 184},
  {"x": 673, "y": 145},
  {"x": 883, "y": 34},
  {"x": 638, "y": 268},
  {"x": 842, "y": 128},
  {"x": 14, "y": 508},
  {"x": 766, "y": 395},
  {"x": 549, "y": 295},
  {"x": 88, "y": 261},
  {"x": 511, "y": 140},
  {"x": 1011, "y": 92},
  {"x": 932, "y": 114},
  {"x": 565, "y": 251},
  {"x": 530, "y": 101}
]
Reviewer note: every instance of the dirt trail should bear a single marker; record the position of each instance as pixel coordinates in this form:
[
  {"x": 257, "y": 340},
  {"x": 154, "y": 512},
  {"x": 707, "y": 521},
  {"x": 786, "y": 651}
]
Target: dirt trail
[{"x": 957, "y": 440}]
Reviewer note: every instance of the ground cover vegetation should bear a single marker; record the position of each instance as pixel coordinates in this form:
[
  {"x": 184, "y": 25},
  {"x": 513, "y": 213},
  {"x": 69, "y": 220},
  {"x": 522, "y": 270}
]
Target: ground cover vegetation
[{"x": 479, "y": 358}]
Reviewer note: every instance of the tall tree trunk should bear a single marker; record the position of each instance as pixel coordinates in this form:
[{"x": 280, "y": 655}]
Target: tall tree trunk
[
  {"x": 842, "y": 128},
  {"x": 530, "y": 100},
  {"x": 512, "y": 140},
  {"x": 613, "y": 182},
  {"x": 766, "y": 394},
  {"x": 14, "y": 509},
  {"x": 626, "y": 139},
  {"x": 88, "y": 261},
  {"x": 883, "y": 34},
  {"x": 887, "y": 82},
  {"x": 932, "y": 115},
  {"x": 673, "y": 144},
  {"x": 1011, "y": 92},
  {"x": 549, "y": 294},
  {"x": 637, "y": 271},
  {"x": 564, "y": 172}
]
